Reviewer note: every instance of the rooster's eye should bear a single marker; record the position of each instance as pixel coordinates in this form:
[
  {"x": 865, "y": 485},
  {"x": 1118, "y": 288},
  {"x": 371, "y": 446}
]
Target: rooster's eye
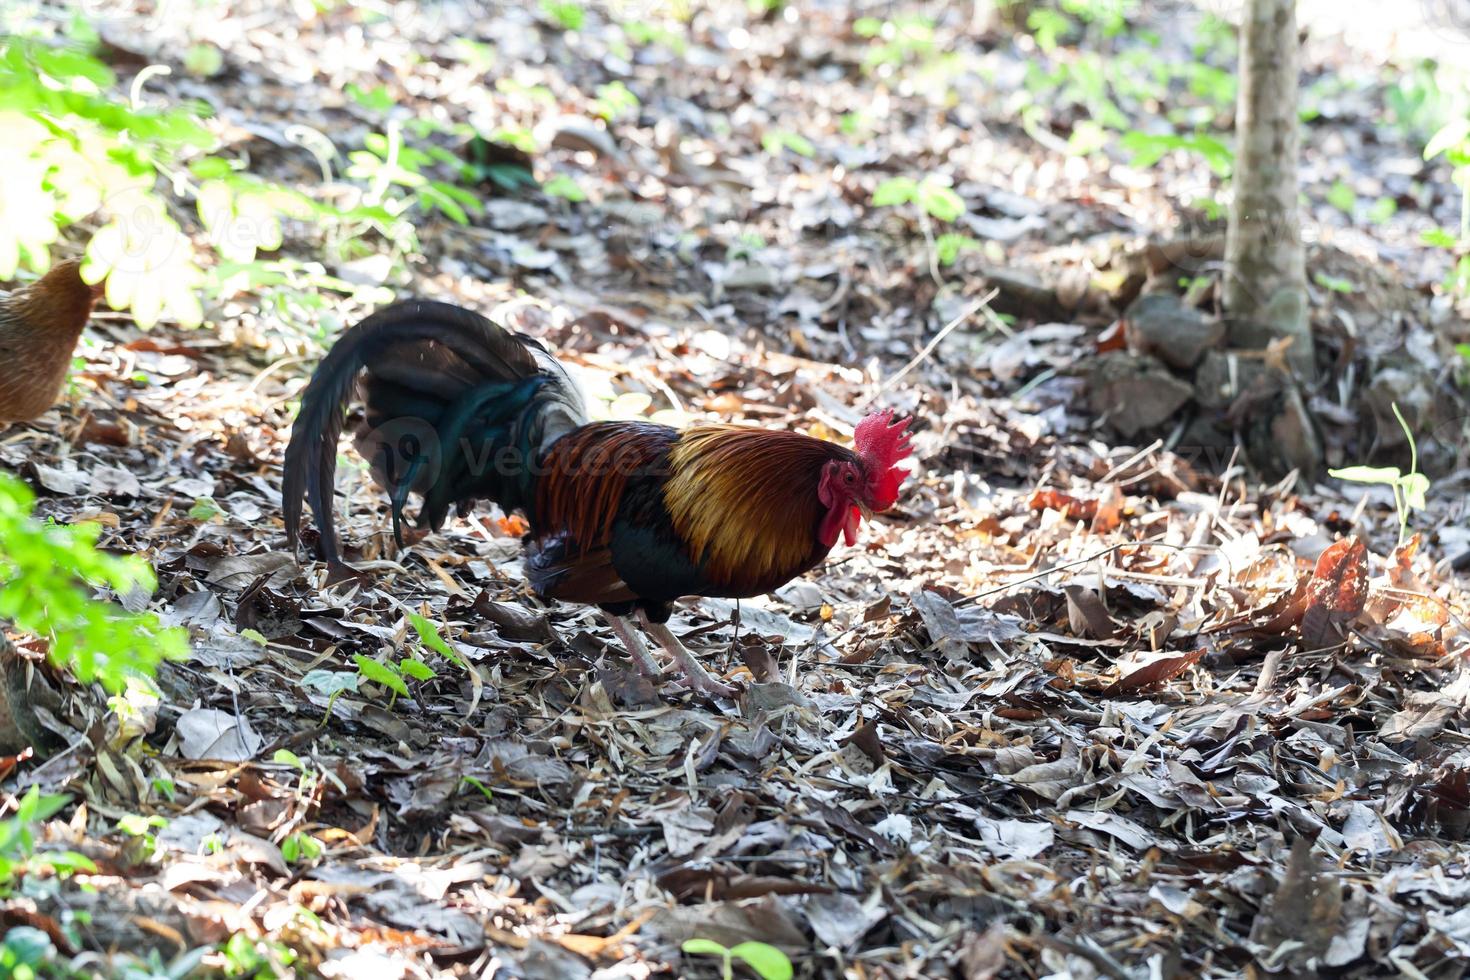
[{"x": 847, "y": 476}]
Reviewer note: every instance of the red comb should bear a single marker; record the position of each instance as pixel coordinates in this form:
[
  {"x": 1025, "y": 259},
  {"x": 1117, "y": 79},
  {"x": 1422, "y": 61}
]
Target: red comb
[{"x": 882, "y": 441}]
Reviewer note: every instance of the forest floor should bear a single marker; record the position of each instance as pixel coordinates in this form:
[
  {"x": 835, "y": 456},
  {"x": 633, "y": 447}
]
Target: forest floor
[{"x": 1082, "y": 706}]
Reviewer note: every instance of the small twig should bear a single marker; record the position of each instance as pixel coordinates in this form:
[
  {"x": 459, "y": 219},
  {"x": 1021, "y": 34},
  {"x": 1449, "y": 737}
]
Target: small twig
[
  {"x": 1113, "y": 473},
  {"x": 929, "y": 348},
  {"x": 967, "y": 600}
]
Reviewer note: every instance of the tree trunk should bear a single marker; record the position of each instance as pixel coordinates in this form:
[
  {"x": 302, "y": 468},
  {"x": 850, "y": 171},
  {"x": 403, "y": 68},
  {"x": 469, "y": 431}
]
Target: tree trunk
[{"x": 1265, "y": 266}]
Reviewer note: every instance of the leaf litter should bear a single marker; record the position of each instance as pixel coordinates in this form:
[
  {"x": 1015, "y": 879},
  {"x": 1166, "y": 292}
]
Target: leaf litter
[{"x": 1074, "y": 709}]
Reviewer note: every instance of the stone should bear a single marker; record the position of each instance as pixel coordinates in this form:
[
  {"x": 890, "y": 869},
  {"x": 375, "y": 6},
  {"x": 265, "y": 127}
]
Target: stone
[
  {"x": 1224, "y": 375},
  {"x": 1162, "y": 325},
  {"x": 1134, "y": 393}
]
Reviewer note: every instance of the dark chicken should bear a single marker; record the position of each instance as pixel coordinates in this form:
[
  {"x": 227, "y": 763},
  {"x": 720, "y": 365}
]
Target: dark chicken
[
  {"x": 39, "y": 327},
  {"x": 628, "y": 516}
]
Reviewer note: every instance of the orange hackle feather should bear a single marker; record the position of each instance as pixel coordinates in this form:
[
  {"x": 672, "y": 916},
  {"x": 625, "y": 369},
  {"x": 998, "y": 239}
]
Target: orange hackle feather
[
  {"x": 587, "y": 472},
  {"x": 744, "y": 500}
]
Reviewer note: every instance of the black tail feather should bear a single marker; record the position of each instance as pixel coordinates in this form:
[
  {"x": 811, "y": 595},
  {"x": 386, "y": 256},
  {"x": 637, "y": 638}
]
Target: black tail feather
[{"x": 438, "y": 380}]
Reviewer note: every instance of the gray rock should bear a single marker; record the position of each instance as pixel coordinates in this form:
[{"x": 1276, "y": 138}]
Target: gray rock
[
  {"x": 1224, "y": 375},
  {"x": 1162, "y": 325},
  {"x": 1134, "y": 392}
]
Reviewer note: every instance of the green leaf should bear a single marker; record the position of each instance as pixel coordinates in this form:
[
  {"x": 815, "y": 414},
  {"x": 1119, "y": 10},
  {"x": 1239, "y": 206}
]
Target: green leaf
[
  {"x": 560, "y": 185},
  {"x": 1342, "y": 197},
  {"x": 1334, "y": 283},
  {"x": 477, "y": 784},
  {"x": 1388, "y": 475},
  {"x": 1415, "y": 487},
  {"x": 203, "y": 60},
  {"x": 376, "y": 99},
  {"x": 765, "y": 959},
  {"x": 429, "y": 636},
  {"x": 416, "y": 669},
  {"x": 567, "y": 16},
  {"x": 211, "y": 168},
  {"x": 947, "y": 247},
  {"x": 704, "y": 947},
  {"x": 330, "y": 682},
  {"x": 1450, "y": 136},
  {"x": 939, "y": 200},
  {"x": 380, "y": 674},
  {"x": 27, "y": 946},
  {"x": 1439, "y": 238},
  {"x": 136, "y": 825},
  {"x": 289, "y": 758},
  {"x": 776, "y": 140},
  {"x": 1383, "y": 209},
  {"x": 895, "y": 190}
]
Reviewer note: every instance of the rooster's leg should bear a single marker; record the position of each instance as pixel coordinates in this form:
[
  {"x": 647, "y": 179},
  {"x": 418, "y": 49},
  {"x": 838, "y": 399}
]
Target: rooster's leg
[
  {"x": 698, "y": 678},
  {"x": 635, "y": 646}
]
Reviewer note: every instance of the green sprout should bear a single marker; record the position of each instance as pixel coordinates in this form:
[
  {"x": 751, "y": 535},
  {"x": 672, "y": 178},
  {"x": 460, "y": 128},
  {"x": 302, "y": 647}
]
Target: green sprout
[
  {"x": 763, "y": 958},
  {"x": 1409, "y": 489}
]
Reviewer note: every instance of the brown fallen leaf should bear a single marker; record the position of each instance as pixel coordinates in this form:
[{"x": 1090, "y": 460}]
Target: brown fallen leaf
[
  {"x": 1305, "y": 909},
  {"x": 1336, "y": 595},
  {"x": 1153, "y": 672},
  {"x": 1086, "y": 614}
]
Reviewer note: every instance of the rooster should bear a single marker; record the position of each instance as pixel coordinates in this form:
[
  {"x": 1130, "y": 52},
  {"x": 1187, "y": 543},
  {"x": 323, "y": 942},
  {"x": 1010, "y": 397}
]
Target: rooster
[
  {"x": 39, "y": 327},
  {"x": 627, "y": 516}
]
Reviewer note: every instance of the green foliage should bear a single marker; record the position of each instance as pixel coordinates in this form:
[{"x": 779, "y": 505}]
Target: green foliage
[
  {"x": 76, "y": 147},
  {"x": 564, "y": 14},
  {"x": 42, "y": 571},
  {"x": 476, "y": 784},
  {"x": 776, "y": 140},
  {"x": 643, "y": 34},
  {"x": 1452, "y": 142},
  {"x": 143, "y": 840},
  {"x": 1382, "y": 210},
  {"x": 565, "y": 187},
  {"x": 301, "y": 848},
  {"x": 895, "y": 42},
  {"x": 766, "y": 960},
  {"x": 18, "y": 854},
  {"x": 1148, "y": 149},
  {"x": 72, "y": 149},
  {"x": 429, "y": 636},
  {"x": 1417, "y": 104},
  {"x": 1342, "y": 197},
  {"x": 392, "y": 675},
  {"x": 1334, "y": 283},
  {"x": 377, "y": 672},
  {"x": 947, "y": 247},
  {"x": 1409, "y": 489},
  {"x": 248, "y": 957},
  {"x": 932, "y": 195},
  {"x": 614, "y": 101}
]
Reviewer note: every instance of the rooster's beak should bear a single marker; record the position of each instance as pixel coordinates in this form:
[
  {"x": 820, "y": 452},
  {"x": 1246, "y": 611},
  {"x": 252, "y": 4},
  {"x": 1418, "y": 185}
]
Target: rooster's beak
[{"x": 867, "y": 511}]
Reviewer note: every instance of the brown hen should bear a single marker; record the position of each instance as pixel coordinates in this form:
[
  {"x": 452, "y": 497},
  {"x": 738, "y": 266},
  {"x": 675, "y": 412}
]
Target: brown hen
[{"x": 39, "y": 327}]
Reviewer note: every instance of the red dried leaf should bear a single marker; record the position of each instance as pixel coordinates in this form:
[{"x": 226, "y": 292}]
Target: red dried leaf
[
  {"x": 1111, "y": 339},
  {"x": 1084, "y": 510},
  {"x": 1337, "y": 593},
  {"x": 1154, "y": 672},
  {"x": 1284, "y": 612},
  {"x": 1109, "y": 511}
]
